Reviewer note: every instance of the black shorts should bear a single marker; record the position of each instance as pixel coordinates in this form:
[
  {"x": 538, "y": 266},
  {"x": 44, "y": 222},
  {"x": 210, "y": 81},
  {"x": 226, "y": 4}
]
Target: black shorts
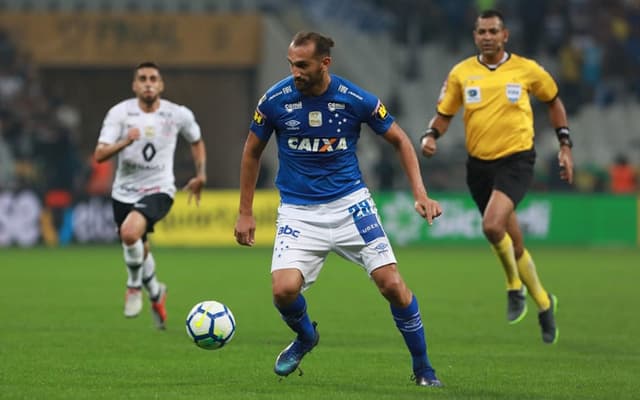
[
  {"x": 154, "y": 207},
  {"x": 512, "y": 175}
]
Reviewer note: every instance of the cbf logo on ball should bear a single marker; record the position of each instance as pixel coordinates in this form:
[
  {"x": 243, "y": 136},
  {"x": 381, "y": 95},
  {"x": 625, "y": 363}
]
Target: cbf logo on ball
[{"x": 288, "y": 231}]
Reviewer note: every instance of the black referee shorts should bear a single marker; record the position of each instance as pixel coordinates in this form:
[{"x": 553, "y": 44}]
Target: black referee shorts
[
  {"x": 154, "y": 207},
  {"x": 512, "y": 175}
]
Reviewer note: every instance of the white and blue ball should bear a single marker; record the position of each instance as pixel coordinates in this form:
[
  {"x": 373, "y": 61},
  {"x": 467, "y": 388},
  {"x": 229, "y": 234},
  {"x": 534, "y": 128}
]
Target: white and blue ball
[{"x": 210, "y": 324}]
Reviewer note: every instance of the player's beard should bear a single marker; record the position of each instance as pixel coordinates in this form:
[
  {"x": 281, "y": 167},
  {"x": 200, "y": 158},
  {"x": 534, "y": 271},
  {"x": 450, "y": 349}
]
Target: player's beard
[
  {"x": 306, "y": 84},
  {"x": 149, "y": 100}
]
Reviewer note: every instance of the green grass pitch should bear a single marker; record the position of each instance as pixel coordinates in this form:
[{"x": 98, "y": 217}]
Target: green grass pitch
[{"x": 63, "y": 335}]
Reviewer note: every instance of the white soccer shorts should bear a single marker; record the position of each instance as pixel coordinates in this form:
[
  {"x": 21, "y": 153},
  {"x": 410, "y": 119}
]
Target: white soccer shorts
[{"x": 349, "y": 226}]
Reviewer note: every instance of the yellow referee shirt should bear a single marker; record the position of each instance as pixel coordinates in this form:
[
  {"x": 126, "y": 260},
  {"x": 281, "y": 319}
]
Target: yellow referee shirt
[{"x": 497, "y": 110}]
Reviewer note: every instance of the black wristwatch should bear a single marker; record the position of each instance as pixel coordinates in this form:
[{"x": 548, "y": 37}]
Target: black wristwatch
[
  {"x": 566, "y": 141},
  {"x": 564, "y": 138},
  {"x": 433, "y": 132}
]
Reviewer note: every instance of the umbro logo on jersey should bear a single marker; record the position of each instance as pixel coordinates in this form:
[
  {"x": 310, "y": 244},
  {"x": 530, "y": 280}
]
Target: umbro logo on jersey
[
  {"x": 381, "y": 248},
  {"x": 292, "y": 124}
]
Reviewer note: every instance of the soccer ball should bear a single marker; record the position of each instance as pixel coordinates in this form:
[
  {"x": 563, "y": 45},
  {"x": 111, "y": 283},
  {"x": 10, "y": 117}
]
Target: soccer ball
[{"x": 210, "y": 325}]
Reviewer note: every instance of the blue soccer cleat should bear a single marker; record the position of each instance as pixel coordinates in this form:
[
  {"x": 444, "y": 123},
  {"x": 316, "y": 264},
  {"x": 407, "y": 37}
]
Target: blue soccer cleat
[
  {"x": 289, "y": 359},
  {"x": 426, "y": 377}
]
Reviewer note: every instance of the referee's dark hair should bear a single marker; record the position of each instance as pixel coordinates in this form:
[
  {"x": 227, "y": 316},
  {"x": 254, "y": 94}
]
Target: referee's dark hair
[{"x": 490, "y": 14}]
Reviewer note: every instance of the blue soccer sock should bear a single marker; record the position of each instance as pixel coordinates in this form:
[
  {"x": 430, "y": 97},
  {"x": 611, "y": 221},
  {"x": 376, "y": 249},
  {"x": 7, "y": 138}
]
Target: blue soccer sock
[
  {"x": 409, "y": 324},
  {"x": 295, "y": 315}
]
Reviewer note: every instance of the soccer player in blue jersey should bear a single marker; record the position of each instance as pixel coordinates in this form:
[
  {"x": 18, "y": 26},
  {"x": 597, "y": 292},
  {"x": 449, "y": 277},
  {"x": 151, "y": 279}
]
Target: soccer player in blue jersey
[{"x": 325, "y": 205}]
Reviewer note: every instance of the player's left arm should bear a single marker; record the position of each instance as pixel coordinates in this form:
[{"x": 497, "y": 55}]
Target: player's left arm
[
  {"x": 425, "y": 206},
  {"x": 195, "y": 184},
  {"x": 559, "y": 120},
  {"x": 544, "y": 87}
]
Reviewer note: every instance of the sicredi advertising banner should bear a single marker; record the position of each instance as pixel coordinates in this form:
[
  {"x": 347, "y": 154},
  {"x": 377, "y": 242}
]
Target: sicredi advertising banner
[
  {"x": 549, "y": 219},
  {"x": 554, "y": 219},
  {"x": 571, "y": 219}
]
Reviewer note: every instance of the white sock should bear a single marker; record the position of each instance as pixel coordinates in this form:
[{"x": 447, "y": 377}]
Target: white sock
[
  {"x": 149, "y": 275},
  {"x": 133, "y": 256}
]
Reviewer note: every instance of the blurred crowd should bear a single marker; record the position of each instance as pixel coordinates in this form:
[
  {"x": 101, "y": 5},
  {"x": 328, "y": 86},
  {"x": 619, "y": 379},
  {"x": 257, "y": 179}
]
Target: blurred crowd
[
  {"x": 593, "y": 47},
  {"x": 38, "y": 135},
  {"x": 596, "y": 44}
]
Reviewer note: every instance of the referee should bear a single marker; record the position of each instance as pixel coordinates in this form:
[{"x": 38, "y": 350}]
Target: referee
[{"x": 493, "y": 87}]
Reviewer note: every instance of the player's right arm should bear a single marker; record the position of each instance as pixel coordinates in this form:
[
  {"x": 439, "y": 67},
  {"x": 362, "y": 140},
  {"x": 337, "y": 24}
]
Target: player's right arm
[
  {"x": 437, "y": 127},
  {"x": 249, "y": 169},
  {"x": 425, "y": 206},
  {"x": 105, "y": 151},
  {"x": 111, "y": 140},
  {"x": 449, "y": 101}
]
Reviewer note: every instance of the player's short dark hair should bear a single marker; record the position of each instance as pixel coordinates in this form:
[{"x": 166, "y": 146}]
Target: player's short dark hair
[
  {"x": 491, "y": 14},
  {"x": 323, "y": 43},
  {"x": 145, "y": 64}
]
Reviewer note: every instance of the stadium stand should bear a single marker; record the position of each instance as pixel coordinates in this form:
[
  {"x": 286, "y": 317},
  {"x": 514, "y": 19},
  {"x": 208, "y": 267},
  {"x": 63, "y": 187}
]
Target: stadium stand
[{"x": 402, "y": 56}]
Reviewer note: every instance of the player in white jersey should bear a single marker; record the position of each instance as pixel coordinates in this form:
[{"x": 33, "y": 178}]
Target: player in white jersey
[
  {"x": 316, "y": 117},
  {"x": 143, "y": 132}
]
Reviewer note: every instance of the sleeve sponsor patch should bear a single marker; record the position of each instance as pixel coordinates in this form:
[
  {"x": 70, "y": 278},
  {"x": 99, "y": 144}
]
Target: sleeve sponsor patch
[
  {"x": 381, "y": 111},
  {"x": 258, "y": 118}
]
